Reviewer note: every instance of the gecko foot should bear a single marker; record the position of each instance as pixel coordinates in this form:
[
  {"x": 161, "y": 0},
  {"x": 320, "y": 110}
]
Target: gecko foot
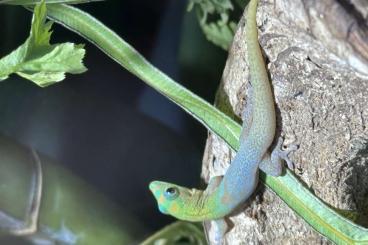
[
  {"x": 218, "y": 229},
  {"x": 284, "y": 153}
]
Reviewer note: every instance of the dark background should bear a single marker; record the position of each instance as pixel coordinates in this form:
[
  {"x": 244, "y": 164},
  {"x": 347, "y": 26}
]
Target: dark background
[{"x": 106, "y": 125}]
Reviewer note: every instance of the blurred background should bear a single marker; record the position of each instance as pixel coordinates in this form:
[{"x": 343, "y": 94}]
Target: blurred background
[{"x": 107, "y": 126}]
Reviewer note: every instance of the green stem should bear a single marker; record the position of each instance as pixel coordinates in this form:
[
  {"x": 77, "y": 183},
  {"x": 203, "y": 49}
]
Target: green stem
[{"x": 71, "y": 211}]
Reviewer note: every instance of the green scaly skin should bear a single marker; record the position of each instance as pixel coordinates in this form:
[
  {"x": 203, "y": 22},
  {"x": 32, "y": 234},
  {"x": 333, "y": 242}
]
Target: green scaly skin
[{"x": 241, "y": 178}]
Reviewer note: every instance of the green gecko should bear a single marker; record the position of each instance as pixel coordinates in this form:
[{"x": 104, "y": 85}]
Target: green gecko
[{"x": 224, "y": 194}]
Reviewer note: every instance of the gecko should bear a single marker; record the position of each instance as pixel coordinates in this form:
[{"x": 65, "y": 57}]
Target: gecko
[{"x": 224, "y": 194}]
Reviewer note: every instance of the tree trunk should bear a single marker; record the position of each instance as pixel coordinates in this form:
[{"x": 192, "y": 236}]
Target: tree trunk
[{"x": 317, "y": 59}]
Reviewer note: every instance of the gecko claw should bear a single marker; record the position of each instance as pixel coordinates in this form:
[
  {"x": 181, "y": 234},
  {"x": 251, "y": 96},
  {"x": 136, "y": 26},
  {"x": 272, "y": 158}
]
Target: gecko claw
[{"x": 284, "y": 153}]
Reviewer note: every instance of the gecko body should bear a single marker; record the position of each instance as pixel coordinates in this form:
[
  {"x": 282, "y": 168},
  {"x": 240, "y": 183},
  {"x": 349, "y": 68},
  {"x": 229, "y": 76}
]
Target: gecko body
[{"x": 223, "y": 195}]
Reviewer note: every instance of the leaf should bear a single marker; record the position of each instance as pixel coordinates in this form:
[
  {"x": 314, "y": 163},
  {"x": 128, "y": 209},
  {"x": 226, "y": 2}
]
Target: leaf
[
  {"x": 219, "y": 29},
  {"x": 211, "y": 6},
  {"x": 37, "y": 60},
  {"x": 219, "y": 33},
  {"x": 291, "y": 190}
]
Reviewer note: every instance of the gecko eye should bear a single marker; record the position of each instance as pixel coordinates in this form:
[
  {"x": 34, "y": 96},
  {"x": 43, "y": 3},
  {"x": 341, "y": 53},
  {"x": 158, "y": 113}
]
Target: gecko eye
[{"x": 171, "y": 193}]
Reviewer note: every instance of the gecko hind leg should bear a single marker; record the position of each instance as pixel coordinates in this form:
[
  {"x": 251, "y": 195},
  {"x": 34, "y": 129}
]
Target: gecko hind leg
[
  {"x": 221, "y": 227},
  {"x": 29, "y": 225},
  {"x": 212, "y": 184},
  {"x": 272, "y": 164}
]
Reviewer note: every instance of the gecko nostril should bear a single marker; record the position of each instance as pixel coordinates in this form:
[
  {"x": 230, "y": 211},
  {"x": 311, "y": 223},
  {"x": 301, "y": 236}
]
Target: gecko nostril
[{"x": 153, "y": 186}]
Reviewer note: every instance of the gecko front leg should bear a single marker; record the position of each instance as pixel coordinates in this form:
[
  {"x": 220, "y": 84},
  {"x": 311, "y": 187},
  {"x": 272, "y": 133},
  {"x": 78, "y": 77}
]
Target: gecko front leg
[
  {"x": 219, "y": 227},
  {"x": 272, "y": 162}
]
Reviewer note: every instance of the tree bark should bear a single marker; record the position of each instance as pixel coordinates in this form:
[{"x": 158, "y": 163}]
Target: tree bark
[{"x": 317, "y": 58}]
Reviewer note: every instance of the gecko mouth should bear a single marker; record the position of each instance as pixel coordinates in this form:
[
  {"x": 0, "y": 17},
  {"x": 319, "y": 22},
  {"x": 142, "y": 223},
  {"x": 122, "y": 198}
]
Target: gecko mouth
[
  {"x": 155, "y": 188},
  {"x": 162, "y": 209}
]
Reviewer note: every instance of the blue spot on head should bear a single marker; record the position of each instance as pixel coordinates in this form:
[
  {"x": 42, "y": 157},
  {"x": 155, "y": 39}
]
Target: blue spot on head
[{"x": 157, "y": 193}]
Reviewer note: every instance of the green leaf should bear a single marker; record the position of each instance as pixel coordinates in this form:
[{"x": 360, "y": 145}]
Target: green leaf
[
  {"x": 219, "y": 33},
  {"x": 218, "y": 18},
  {"x": 211, "y": 6},
  {"x": 37, "y": 60},
  {"x": 219, "y": 29},
  {"x": 291, "y": 190}
]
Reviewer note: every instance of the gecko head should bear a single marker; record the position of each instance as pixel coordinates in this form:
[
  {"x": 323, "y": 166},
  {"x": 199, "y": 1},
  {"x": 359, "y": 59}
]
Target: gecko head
[{"x": 171, "y": 199}]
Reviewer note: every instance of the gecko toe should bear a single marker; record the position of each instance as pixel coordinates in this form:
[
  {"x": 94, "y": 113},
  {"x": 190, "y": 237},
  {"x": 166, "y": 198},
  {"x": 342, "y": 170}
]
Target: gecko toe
[{"x": 284, "y": 153}]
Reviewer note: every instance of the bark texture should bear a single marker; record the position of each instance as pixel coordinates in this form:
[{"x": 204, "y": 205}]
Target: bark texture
[{"x": 317, "y": 60}]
